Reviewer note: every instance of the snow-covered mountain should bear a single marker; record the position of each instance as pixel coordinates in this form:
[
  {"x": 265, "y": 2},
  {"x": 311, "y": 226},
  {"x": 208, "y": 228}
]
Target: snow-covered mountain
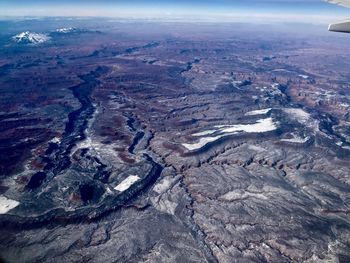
[
  {"x": 30, "y": 38},
  {"x": 66, "y": 30},
  {"x": 71, "y": 30}
]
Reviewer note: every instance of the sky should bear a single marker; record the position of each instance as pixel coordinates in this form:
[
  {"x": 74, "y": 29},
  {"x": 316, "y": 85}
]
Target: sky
[{"x": 287, "y": 10}]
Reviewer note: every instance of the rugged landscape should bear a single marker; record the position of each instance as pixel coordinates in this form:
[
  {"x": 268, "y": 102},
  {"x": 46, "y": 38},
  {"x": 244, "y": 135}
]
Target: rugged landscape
[{"x": 130, "y": 141}]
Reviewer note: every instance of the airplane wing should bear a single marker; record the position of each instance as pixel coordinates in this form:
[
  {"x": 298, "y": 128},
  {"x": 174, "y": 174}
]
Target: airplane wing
[
  {"x": 345, "y": 3},
  {"x": 342, "y": 26}
]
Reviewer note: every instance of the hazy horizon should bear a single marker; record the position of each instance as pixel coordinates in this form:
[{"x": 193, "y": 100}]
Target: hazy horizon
[{"x": 313, "y": 11}]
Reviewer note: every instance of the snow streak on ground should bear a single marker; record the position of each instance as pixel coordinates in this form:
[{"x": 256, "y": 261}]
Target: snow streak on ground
[
  {"x": 7, "y": 204},
  {"x": 127, "y": 183},
  {"x": 262, "y": 125}
]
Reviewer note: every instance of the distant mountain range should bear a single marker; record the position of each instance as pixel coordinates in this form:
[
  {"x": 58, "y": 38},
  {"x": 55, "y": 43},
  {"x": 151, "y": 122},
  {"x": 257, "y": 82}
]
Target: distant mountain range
[{"x": 28, "y": 37}]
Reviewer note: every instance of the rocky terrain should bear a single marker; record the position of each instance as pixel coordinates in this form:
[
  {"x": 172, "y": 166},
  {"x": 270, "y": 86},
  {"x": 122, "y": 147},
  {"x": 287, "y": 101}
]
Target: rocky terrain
[{"x": 173, "y": 143}]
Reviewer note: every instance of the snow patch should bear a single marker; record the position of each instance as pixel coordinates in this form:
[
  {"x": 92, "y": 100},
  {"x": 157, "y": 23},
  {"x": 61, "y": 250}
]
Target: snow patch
[
  {"x": 204, "y": 133},
  {"x": 341, "y": 144},
  {"x": 164, "y": 185},
  {"x": 127, "y": 183},
  {"x": 56, "y": 140},
  {"x": 258, "y": 112},
  {"x": 262, "y": 125},
  {"x": 296, "y": 139},
  {"x": 298, "y": 114},
  {"x": 275, "y": 85},
  {"x": 7, "y": 204},
  {"x": 202, "y": 142},
  {"x": 238, "y": 195},
  {"x": 167, "y": 206}
]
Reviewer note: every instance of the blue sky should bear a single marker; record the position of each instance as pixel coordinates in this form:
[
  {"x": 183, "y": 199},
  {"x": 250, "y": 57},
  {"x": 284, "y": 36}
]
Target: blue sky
[{"x": 313, "y": 10}]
